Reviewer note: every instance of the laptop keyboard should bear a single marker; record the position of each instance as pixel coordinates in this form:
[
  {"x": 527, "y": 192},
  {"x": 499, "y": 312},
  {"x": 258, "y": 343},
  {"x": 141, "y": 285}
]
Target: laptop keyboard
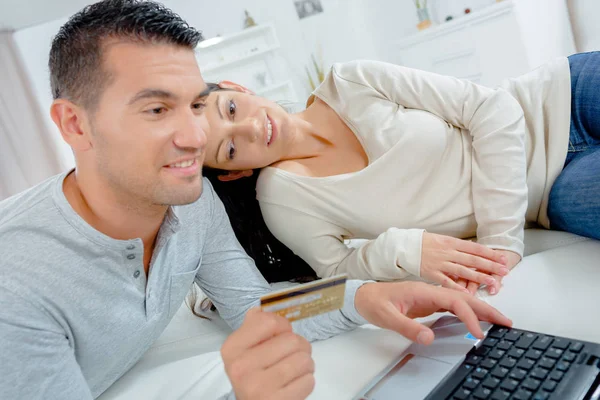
[{"x": 512, "y": 364}]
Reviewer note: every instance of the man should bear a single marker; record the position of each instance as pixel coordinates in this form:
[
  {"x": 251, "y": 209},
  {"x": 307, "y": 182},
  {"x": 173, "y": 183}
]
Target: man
[{"x": 96, "y": 261}]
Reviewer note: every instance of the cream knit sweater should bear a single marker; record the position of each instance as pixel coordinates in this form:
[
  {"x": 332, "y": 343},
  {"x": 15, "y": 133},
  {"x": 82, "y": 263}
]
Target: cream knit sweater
[{"x": 445, "y": 155}]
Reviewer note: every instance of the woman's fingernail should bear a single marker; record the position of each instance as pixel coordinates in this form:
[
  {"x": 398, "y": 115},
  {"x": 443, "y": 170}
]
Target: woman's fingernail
[
  {"x": 490, "y": 281},
  {"x": 422, "y": 337},
  {"x": 492, "y": 290},
  {"x": 504, "y": 271}
]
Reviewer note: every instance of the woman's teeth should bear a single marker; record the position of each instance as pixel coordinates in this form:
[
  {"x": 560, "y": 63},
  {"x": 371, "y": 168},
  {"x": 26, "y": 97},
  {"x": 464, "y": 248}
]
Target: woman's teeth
[
  {"x": 183, "y": 164},
  {"x": 269, "y": 131}
]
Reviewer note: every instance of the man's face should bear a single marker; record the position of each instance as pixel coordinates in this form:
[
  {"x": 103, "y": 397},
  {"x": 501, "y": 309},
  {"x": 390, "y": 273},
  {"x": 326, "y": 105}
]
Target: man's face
[{"x": 148, "y": 131}]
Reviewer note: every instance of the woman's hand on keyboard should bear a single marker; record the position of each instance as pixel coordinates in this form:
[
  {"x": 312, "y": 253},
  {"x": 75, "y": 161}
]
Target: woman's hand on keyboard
[
  {"x": 265, "y": 359},
  {"x": 393, "y": 305},
  {"x": 445, "y": 260}
]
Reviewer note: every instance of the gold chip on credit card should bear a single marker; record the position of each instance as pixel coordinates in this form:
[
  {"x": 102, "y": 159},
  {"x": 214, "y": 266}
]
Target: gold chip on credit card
[{"x": 307, "y": 300}]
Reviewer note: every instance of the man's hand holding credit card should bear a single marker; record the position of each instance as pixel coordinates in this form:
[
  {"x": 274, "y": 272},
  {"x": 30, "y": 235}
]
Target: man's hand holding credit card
[
  {"x": 307, "y": 300},
  {"x": 267, "y": 358},
  {"x": 264, "y": 358}
]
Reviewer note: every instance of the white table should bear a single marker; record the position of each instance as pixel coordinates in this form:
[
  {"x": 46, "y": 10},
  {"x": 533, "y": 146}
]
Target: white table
[{"x": 555, "y": 291}]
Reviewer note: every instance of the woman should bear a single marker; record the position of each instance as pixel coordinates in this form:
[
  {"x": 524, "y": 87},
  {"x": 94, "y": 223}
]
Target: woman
[{"x": 411, "y": 160}]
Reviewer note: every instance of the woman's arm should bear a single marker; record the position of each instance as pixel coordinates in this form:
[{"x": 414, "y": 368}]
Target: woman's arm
[
  {"x": 393, "y": 255},
  {"x": 495, "y": 121}
]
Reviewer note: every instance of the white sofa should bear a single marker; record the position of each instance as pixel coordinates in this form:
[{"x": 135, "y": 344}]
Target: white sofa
[{"x": 184, "y": 363}]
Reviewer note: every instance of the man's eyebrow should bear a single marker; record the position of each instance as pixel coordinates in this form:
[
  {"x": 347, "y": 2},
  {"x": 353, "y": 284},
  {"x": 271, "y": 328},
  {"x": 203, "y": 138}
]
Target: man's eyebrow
[{"x": 152, "y": 93}]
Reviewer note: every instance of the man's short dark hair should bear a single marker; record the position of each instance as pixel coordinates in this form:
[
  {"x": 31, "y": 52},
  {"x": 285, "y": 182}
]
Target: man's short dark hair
[{"x": 76, "y": 70}]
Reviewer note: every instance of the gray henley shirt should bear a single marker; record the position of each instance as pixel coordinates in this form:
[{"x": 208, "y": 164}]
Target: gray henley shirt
[{"x": 77, "y": 310}]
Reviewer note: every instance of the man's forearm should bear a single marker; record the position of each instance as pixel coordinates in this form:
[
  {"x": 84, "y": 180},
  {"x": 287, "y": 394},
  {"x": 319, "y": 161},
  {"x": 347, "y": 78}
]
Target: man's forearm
[{"x": 335, "y": 322}]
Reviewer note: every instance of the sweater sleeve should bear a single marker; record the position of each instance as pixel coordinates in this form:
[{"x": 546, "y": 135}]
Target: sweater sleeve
[
  {"x": 393, "y": 255},
  {"x": 496, "y": 124}
]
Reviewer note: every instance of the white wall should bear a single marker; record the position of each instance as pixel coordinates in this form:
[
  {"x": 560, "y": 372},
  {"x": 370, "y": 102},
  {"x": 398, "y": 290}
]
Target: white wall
[
  {"x": 20, "y": 14},
  {"x": 338, "y": 34},
  {"x": 34, "y": 45},
  {"x": 386, "y": 21},
  {"x": 550, "y": 39},
  {"x": 585, "y": 18}
]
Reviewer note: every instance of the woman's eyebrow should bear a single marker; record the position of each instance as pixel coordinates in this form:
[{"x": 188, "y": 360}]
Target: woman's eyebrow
[{"x": 217, "y": 105}]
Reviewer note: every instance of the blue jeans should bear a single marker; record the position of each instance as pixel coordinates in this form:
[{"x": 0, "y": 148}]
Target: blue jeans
[{"x": 574, "y": 203}]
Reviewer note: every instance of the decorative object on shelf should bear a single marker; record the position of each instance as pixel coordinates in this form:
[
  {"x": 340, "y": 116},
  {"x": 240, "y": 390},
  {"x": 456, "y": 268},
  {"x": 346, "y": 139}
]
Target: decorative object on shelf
[
  {"x": 248, "y": 21},
  {"x": 449, "y": 18},
  {"x": 423, "y": 14},
  {"x": 467, "y": 10},
  {"x": 451, "y": 48},
  {"x": 318, "y": 70},
  {"x": 261, "y": 78},
  {"x": 307, "y": 8}
]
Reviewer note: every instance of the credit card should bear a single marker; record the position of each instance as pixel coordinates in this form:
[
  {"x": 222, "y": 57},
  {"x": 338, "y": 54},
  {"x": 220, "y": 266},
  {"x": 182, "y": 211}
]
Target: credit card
[{"x": 307, "y": 300}]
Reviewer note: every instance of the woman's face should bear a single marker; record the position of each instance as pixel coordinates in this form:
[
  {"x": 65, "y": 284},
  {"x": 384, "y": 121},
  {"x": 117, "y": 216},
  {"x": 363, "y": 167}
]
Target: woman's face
[{"x": 245, "y": 131}]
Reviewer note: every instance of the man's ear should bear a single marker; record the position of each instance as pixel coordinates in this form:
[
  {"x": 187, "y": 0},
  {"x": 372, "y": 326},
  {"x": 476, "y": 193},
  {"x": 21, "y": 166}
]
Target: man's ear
[
  {"x": 234, "y": 86},
  {"x": 72, "y": 123},
  {"x": 235, "y": 175}
]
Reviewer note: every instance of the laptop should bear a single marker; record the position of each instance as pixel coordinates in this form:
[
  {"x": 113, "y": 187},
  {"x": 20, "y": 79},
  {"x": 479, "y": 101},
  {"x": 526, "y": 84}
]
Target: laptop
[{"x": 507, "y": 364}]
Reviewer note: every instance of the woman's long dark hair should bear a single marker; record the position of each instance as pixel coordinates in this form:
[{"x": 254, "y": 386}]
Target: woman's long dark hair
[{"x": 274, "y": 260}]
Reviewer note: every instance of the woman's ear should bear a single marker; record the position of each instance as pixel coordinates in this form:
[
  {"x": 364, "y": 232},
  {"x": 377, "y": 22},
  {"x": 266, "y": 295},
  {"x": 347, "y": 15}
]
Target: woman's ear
[
  {"x": 235, "y": 175},
  {"x": 234, "y": 86}
]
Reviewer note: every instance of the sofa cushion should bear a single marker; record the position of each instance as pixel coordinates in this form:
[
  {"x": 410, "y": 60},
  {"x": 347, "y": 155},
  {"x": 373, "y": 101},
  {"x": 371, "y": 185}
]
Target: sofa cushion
[{"x": 538, "y": 240}]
